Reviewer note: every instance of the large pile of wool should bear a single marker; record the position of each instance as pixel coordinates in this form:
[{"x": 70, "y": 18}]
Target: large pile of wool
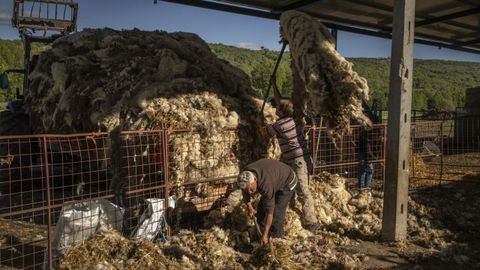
[
  {"x": 323, "y": 81},
  {"x": 444, "y": 220},
  {"x": 448, "y": 231},
  {"x": 108, "y": 250},
  {"x": 208, "y": 249},
  {"x": 108, "y": 80},
  {"x": 341, "y": 211},
  {"x": 440, "y": 216}
]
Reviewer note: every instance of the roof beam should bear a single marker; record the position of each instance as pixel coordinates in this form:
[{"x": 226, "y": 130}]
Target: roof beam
[
  {"x": 425, "y": 14},
  {"x": 469, "y": 2},
  {"x": 469, "y": 42},
  {"x": 371, "y": 4},
  {"x": 357, "y": 30},
  {"x": 296, "y": 4},
  {"x": 455, "y": 15},
  {"x": 386, "y": 35},
  {"x": 468, "y": 35},
  {"x": 227, "y": 8},
  {"x": 451, "y": 23}
]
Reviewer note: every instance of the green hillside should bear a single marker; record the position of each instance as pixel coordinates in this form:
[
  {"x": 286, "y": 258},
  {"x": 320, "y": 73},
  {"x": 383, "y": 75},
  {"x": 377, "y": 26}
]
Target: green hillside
[
  {"x": 11, "y": 57},
  {"x": 258, "y": 64},
  {"x": 439, "y": 83}
]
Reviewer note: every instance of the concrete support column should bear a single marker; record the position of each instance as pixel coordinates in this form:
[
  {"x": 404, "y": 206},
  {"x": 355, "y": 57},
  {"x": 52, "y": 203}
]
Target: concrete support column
[{"x": 395, "y": 202}]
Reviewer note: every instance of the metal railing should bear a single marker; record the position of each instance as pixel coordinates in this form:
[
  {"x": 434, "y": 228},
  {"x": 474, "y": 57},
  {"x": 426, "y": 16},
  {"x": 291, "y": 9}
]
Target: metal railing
[
  {"x": 47, "y": 15},
  {"x": 343, "y": 157},
  {"x": 42, "y": 175},
  {"x": 446, "y": 150}
]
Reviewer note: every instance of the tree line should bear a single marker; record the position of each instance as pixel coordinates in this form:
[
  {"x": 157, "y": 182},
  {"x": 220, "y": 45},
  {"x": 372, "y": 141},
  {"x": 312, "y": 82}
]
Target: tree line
[{"x": 436, "y": 83}]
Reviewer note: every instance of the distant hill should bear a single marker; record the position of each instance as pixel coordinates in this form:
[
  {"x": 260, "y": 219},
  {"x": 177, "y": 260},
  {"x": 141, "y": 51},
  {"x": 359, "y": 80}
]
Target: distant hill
[
  {"x": 440, "y": 83},
  {"x": 437, "y": 83}
]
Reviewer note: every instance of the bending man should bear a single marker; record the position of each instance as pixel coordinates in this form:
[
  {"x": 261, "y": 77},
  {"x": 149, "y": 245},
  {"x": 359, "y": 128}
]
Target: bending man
[{"x": 275, "y": 181}]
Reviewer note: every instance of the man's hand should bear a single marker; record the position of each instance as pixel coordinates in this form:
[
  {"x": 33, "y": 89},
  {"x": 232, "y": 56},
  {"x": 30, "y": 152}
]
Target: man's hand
[
  {"x": 268, "y": 224},
  {"x": 264, "y": 240}
]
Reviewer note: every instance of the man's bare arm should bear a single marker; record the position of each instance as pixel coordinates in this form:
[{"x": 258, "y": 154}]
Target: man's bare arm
[{"x": 268, "y": 224}]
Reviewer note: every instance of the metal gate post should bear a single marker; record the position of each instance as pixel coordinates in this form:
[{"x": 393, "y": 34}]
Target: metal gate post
[
  {"x": 165, "y": 157},
  {"x": 412, "y": 146},
  {"x": 314, "y": 150},
  {"x": 49, "y": 204},
  {"x": 385, "y": 136},
  {"x": 441, "y": 150}
]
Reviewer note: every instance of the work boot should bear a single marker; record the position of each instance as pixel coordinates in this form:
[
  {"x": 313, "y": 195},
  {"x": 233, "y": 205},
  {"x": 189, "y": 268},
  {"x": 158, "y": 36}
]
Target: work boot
[{"x": 312, "y": 227}]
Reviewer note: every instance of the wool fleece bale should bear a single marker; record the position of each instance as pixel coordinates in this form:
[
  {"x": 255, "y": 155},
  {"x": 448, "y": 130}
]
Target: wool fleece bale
[
  {"x": 110, "y": 250},
  {"x": 209, "y": 249},
  {"x": 323, "y": 81},
  {"x": 108, "y": 80},
  {"x": 357, "y": 215}
]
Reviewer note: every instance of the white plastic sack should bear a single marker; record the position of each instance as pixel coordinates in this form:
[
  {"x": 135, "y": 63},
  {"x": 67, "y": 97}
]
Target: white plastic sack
[
  {"x": 80, "y": 221},
  {"x": 153, "y": 219}
]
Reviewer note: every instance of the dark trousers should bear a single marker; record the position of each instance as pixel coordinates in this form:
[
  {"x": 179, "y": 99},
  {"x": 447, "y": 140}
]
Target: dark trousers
[
  {"x": 282, "y": 198},
  {"x": 365, "y": 174}
]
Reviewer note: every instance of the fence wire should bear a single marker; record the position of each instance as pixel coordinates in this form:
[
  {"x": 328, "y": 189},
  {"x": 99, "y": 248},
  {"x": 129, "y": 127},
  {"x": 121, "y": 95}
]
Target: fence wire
[
  {"x": 443, "y": 151},
  {"x": 343, "y": 156},
  {"x": 46, "y": 178}
]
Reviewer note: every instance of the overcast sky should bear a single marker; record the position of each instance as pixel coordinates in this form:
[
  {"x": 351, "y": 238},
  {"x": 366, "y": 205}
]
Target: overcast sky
[{"x": 215, "y": 27}]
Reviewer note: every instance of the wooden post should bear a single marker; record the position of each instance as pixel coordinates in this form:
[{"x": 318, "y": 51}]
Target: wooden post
[{"x": 394, "y": 225}]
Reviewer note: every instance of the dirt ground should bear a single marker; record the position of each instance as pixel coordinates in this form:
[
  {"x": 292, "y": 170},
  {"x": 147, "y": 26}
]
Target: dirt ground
[
  {"x": 451, "y": 240},
  {"x": 450, "y": 237},
  {"x": 443, "y": 233},
  {"x": 22, "y": 244},
  {"x": 447, "y": 168}
]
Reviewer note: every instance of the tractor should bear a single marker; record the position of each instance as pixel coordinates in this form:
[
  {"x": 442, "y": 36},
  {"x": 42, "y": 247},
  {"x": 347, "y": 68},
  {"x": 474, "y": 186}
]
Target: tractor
[{"x": 38, "y": 21}]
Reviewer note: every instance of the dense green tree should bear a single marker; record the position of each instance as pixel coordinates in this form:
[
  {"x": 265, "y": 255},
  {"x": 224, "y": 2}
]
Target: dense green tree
[
  {"x": 261, "y": 74},
  {"x": 443, "y": 82},
  {"x": 11, "y": 57}
]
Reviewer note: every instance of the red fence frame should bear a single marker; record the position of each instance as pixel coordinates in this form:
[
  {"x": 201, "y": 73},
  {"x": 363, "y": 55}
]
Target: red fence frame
[
  {"x": 343, "y": 157},
  {"x": 40, "y": 174}
]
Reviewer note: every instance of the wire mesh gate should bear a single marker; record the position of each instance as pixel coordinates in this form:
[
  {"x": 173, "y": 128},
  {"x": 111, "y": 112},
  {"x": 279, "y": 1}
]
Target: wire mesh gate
[
  {"x": 41, "y": 174},
  {"x": 446, "y": 150},
  {"x": 343, "y": 156}
]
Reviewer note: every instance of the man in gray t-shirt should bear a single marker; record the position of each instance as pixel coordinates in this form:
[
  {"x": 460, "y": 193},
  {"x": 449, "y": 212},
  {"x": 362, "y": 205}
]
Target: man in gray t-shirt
[{"x": 275, "y": 181}]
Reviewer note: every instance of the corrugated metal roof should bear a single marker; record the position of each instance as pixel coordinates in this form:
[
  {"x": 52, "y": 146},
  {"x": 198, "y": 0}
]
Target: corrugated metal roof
[{"x": 453, "y": 24}]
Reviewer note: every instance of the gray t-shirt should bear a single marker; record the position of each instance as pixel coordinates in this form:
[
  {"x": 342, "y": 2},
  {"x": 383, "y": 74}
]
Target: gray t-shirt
[{"x": 272, "y": 176}]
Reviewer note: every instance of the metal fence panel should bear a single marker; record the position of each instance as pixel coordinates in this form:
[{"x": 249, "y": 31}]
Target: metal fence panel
[
  {"x": 42, "y": 174},
  {"x": 343, "y": 157},
  {"x": 446, "y": 150}
]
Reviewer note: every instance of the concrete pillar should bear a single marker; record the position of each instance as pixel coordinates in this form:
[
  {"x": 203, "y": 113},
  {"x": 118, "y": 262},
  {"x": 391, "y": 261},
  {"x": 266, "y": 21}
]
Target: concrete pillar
[{"x": 395, "y": 202}]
